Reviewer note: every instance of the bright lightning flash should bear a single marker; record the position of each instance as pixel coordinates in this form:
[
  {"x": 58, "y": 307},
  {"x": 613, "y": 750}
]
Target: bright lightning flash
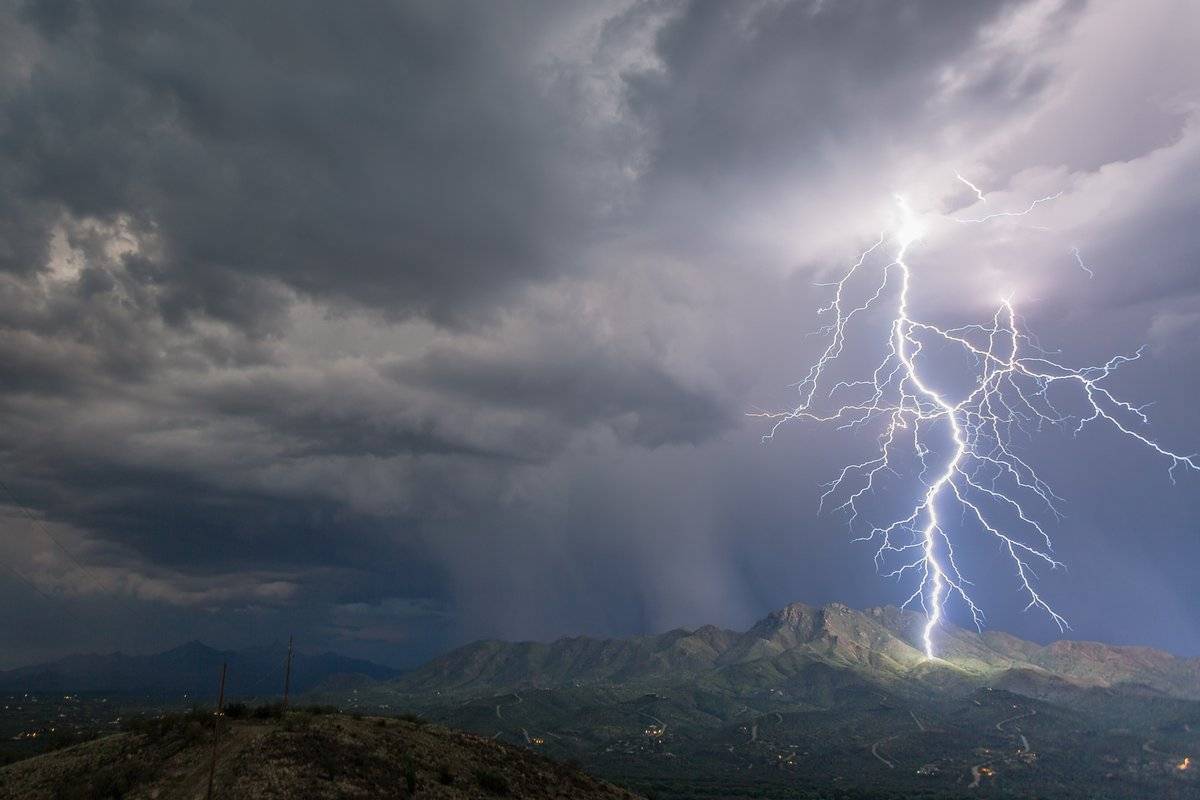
[
  {"x": 972, "y": 187},
  {"x": 969, "y": 470}
]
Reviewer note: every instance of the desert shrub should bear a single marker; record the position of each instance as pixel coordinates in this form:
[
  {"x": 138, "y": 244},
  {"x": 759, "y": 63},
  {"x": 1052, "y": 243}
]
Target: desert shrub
[
  {"x": 185, "y": 728},
  {"x": 299, "y": 721},
  {"x": 268, "y": 711},
  {"x": 237, "y": 710},
  {"x": 445, "y": 776},
  {"x": 410, "y": 776},
  {"x": 63, "y": 737},
  {"x": 491, "y": 781},
  {"x": 110, "y": 782}
]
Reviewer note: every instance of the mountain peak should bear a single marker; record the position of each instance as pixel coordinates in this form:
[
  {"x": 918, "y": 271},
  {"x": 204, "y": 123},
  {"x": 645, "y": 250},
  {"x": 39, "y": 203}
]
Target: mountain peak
[
  {"x": 195, "y": 646},
  {"x": 881, "y": 644}
]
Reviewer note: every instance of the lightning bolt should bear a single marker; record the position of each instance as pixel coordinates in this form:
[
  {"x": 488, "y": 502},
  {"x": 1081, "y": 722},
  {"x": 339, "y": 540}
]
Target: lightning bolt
[
  {"x": 1023, "y": 212},
  {"x": 1079, "y": 261},
  {"x": 961, "y": 444},
  {"x": 972, "y": 187}
]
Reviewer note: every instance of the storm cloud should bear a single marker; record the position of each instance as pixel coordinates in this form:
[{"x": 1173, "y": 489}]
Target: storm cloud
[{"x": 399, "y": 323}]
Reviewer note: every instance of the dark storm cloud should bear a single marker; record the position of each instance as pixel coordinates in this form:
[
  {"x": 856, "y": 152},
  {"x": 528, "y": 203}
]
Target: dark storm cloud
[
  {"x": 414, "y": 157},
  {"x": 578, "y": 386},
  {"x": 770, "y": 116},
  {"x": 371, "y": 319},
  {"x": 748, "y": 89}
]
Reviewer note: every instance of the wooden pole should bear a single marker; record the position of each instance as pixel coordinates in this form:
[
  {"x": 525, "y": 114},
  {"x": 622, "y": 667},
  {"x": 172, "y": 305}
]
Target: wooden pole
[
  {"x": 287, "y": 675},
  {"x": 212, "y": 767}
]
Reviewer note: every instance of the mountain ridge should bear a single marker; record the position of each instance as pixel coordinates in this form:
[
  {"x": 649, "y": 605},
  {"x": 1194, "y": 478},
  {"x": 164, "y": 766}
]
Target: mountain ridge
[
  {"x": 812, "y": 697},
  {"x": 879, "y": 643},
  {"x": 191, "y": 668}
]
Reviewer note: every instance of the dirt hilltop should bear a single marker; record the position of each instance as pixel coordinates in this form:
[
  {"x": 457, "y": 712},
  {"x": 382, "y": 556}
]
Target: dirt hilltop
[{"x": 299, "y": 756}]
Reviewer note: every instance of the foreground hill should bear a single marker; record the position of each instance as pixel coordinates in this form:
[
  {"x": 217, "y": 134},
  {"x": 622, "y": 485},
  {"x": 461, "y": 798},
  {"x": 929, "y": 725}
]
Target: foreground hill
[{"x": 298, "y": 756}]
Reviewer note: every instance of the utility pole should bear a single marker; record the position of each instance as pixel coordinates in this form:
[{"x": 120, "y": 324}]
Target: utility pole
[
  {"x": 287, "y": 675},
  {"x": 212, "y": 767}
]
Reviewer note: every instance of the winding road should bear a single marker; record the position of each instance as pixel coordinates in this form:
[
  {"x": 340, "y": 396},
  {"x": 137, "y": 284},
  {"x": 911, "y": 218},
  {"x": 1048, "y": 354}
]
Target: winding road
[
  {"x": 976, "y": 771},
  {"x": 875, "y": 751},
  {"x": 1154, "y": 751},
  {"x": 519, "y": 700},
  {"x": 1000, "y": 725}
]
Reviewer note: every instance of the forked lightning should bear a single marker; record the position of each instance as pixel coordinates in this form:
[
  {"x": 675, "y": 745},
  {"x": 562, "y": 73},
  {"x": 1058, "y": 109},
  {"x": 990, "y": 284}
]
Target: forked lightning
[{"x": 960, "y": 447}]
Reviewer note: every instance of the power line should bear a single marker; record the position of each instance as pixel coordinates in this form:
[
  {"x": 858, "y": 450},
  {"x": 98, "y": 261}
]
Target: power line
[
  {"x": 27, "y": 581},
  {"x": 45, "y": 530},
  {"x": 41, "y": 526},
  {"x": 22, "y": 577}
]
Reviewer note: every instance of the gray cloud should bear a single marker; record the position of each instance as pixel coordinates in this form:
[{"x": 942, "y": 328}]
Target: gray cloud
[
  {"x": 371, "y": 319},
  {"x": 419, "y": 158}
]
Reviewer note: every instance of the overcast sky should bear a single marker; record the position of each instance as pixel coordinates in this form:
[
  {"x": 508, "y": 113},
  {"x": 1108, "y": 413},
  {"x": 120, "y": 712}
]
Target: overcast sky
[{"x": 401, "y": 324}]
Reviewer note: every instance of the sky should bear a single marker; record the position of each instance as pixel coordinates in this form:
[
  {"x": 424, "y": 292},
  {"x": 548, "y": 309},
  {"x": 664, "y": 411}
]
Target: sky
[{"x": 395, "y": 325}]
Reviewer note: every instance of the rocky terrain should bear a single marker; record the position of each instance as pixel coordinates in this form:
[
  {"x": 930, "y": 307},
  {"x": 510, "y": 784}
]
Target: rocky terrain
[
  {"x": 812, "y": 699},
  {"x": 807, "y": 703},
  {"x": 299, "y": 755}
]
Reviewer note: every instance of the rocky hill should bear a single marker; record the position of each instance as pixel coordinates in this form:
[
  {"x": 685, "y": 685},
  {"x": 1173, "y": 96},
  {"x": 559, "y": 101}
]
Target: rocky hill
[{"x": 300, "y": 755}]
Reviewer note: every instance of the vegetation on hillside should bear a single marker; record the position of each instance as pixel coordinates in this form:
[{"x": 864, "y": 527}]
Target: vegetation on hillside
[{"x": 305, "y": 753}]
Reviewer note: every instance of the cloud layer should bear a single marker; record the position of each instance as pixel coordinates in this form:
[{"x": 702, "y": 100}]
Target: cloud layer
[{"x": 401, "y": 323}]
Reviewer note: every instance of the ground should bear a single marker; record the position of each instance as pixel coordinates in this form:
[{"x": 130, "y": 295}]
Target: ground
[{"x": 300, "y": 755}]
